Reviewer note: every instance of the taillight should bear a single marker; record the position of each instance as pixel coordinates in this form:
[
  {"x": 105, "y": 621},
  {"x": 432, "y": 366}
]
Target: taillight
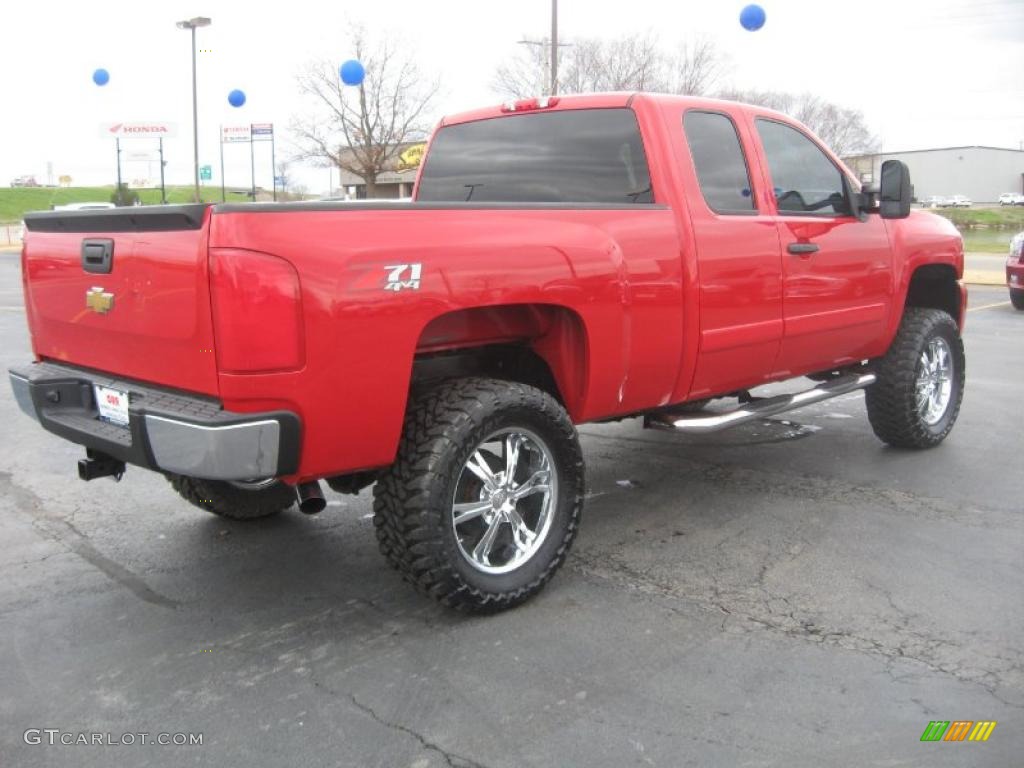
[
  {"x": 1017, "y": 248},
  {"x": 257, "y": 312}
]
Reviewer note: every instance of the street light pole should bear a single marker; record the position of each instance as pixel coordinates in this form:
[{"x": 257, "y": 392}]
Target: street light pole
[
  {"x": 552, "y": 63},
  {"x": 554, "y": 47},
  {"x": 192, "y": 25}
]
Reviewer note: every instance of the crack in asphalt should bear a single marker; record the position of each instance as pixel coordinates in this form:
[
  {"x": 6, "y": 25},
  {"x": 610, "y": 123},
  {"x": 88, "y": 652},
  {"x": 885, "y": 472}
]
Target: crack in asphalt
[
  {"x": 760, "y": 607},
  {"x": 824, "y": 489},
  {"x": 64, "y": 533},
  {"x": 451, "y": 758}
]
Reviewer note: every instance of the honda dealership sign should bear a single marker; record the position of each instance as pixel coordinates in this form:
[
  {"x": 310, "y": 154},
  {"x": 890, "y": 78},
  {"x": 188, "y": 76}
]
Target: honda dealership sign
[{"x": 139, "y": 130}]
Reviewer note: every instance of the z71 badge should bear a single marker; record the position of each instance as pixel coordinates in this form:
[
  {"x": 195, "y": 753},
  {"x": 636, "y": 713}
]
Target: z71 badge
[{"x": 397, "y": 280}]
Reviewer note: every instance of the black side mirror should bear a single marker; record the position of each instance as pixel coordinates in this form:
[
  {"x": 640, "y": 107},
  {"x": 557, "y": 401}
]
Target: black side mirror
[{"x": 896, "y": 191}]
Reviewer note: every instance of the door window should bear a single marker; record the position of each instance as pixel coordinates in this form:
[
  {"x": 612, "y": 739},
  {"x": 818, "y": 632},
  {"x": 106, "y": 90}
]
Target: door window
[{"x": 805, "y": 180}]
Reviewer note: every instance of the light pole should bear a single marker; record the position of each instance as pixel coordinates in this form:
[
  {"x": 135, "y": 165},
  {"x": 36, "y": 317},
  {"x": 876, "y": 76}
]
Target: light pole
[
  {"x": 193, "y": 24},
  {"x": 552, "y": 63},
  {"x": 554, "y": 47}
]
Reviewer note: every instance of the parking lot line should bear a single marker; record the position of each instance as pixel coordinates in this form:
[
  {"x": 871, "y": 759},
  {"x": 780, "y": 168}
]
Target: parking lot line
[{"x": 989, "y": 306}]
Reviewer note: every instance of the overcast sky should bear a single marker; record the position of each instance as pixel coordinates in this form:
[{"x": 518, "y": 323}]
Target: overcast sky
[{"x": 926, "y": 73}]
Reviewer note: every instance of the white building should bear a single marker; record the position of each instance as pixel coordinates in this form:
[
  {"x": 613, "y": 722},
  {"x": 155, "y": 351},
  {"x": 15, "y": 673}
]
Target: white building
[{"x": 980, "y": 173}]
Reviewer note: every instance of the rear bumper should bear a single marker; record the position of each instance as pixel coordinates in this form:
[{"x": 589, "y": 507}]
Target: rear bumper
[{"x": 168, "y": 431}]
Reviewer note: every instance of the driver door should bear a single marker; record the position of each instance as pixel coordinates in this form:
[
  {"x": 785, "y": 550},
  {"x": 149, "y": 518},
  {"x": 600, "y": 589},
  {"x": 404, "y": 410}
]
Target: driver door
[{"x": 836, "y": 269}]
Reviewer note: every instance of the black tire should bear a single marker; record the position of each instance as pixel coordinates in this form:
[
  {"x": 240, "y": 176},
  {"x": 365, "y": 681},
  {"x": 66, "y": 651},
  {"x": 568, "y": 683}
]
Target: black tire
[
  {"x": 234, "y": 501},
  {"x": 413, "y": 499},
  {"x": 892, "y": 402},
  {"x": 1017, "y": 299}
]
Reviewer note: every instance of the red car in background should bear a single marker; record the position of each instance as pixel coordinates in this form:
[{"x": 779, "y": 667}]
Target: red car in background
[{"x": 1015, "y": 271}]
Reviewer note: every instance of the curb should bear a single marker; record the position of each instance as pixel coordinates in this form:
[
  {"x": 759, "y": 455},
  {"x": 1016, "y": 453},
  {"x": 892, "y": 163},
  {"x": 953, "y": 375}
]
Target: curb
[{"x": 984, "y": 277}]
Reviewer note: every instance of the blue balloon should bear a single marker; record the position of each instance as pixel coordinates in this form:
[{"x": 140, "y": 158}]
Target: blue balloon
[
  {"x": 101, "y": 77},
  {"x": 752, "y": 17},
  {"x": 236, "y": 98},
  {"x": 352, "y": 72}
]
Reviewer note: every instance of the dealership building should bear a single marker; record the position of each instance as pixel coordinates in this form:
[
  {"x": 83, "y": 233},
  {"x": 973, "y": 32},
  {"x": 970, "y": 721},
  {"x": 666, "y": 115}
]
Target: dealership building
[
  {"x": 980, "y": 173},
  {"x": 395, "y": 181}
]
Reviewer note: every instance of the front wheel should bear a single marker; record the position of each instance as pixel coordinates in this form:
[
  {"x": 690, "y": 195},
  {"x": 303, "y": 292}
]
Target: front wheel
[
  {"x": 1017, "y": 298},
  {"x": 484, "y": 499},
  {"x": 915, "y": 402}
]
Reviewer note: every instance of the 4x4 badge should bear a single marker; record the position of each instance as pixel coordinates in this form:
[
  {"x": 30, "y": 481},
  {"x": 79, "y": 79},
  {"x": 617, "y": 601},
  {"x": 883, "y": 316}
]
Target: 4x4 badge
[
  {"x": 396, "y": 272},
  {"x": 99, "y": 301}
]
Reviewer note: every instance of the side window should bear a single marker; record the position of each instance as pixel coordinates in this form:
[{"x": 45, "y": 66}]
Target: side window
[
  {"x": 718, "y": 158},
  {"x": 805, "y": 180}
]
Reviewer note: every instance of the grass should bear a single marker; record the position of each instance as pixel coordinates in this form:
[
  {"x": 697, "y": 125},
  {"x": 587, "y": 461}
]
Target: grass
[
  {"x": 987, "y": 240},
  {"x": 986, "y": 230},
  {"x": 15, "y": 202},
  {"x": 1002, "y": 217}
]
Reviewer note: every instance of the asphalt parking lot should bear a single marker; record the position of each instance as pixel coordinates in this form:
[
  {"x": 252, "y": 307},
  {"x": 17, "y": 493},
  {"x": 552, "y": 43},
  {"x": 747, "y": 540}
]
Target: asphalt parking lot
[{"x": 794, "y": 593}]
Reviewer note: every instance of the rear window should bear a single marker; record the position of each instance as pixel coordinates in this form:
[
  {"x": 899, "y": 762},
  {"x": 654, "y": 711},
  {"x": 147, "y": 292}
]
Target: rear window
[{"x": 579, "y": 156}]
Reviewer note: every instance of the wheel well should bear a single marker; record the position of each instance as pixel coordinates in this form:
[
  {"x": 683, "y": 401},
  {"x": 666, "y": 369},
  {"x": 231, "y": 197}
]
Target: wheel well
[
  {"x": 934, "y": 286},
  {"x": 536, "y": 344}
]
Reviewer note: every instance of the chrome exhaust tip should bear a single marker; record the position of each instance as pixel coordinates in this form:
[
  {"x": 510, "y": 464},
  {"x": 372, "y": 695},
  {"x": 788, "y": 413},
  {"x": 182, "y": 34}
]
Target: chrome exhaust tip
[{"x": 311, "y": 497}]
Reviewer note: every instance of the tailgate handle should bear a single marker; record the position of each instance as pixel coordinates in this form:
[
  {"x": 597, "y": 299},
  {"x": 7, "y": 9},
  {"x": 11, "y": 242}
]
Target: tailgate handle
[{"x": 97, "y": 255}]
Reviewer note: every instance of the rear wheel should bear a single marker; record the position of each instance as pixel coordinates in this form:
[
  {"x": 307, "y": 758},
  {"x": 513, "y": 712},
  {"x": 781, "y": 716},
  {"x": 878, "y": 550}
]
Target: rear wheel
[
  {"x": 916, "y": 399},
  {"x": 249, "y": 500},
  {"x": 484, "y": 499},
  {"x": 1017, "y": 298}
]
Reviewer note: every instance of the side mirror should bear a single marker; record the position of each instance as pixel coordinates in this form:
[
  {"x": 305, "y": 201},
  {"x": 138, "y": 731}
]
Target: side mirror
[{"x": 896, "y": 191}]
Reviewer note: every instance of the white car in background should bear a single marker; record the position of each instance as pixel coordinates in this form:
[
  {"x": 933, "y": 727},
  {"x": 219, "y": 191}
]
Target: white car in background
[
  {"x": 935, "y": 201},
  {"x": 958, "y": 201},
  {"x": 1011, "y": 198}
]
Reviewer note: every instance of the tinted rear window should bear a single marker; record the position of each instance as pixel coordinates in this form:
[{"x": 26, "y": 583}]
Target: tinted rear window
[
  {"x": 580, "y": 156},
  {"x": 718, "y": 158}
]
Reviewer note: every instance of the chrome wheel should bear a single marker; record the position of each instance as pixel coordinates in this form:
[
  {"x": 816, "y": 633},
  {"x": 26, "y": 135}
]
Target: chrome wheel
[
  {"x": 934, "y": 385},
  {"x": 504, "y": 500}
]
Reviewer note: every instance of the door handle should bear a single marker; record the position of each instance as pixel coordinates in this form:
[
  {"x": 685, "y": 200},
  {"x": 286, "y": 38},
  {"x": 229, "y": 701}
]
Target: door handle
[{"x": 802, "y": 248}]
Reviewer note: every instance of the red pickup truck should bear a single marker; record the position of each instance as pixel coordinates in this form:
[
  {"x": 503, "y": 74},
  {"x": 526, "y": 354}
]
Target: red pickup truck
[{"x": 564, "y": 260}]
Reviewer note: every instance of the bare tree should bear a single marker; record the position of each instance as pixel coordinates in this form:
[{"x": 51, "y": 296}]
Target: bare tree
[
  {"x": 362, "y": 129},
  {"x": 283, "y": 174},
  {"x": 629, "y": 63},
  {"x": 696, "y": 68},
  {"x": 843, "y": 129}
]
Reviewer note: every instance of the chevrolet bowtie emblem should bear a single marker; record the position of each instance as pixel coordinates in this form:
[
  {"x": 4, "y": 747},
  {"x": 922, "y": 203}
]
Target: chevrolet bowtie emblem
[{"x": 98, "y": 301}]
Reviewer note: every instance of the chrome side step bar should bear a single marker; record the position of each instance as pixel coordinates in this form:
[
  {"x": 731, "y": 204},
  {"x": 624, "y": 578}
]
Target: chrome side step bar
[{"x": 759, "y": 409}]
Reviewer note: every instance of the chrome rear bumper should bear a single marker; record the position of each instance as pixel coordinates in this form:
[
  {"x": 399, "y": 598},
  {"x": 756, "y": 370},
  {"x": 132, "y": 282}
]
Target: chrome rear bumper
[{"x": 167, "y": 431}]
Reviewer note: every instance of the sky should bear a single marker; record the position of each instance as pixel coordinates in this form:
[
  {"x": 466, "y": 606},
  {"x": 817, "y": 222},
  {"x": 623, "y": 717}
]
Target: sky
[{"x": 925, "y": 73}]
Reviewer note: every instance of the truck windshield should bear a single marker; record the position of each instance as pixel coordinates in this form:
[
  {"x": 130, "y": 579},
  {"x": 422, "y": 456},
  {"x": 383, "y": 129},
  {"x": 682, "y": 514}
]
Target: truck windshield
[{"x": 581, "y": 156}]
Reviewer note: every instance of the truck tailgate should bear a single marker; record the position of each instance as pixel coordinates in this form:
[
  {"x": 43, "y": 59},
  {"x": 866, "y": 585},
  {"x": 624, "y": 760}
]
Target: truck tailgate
[{"x": 124, "y": 291}]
